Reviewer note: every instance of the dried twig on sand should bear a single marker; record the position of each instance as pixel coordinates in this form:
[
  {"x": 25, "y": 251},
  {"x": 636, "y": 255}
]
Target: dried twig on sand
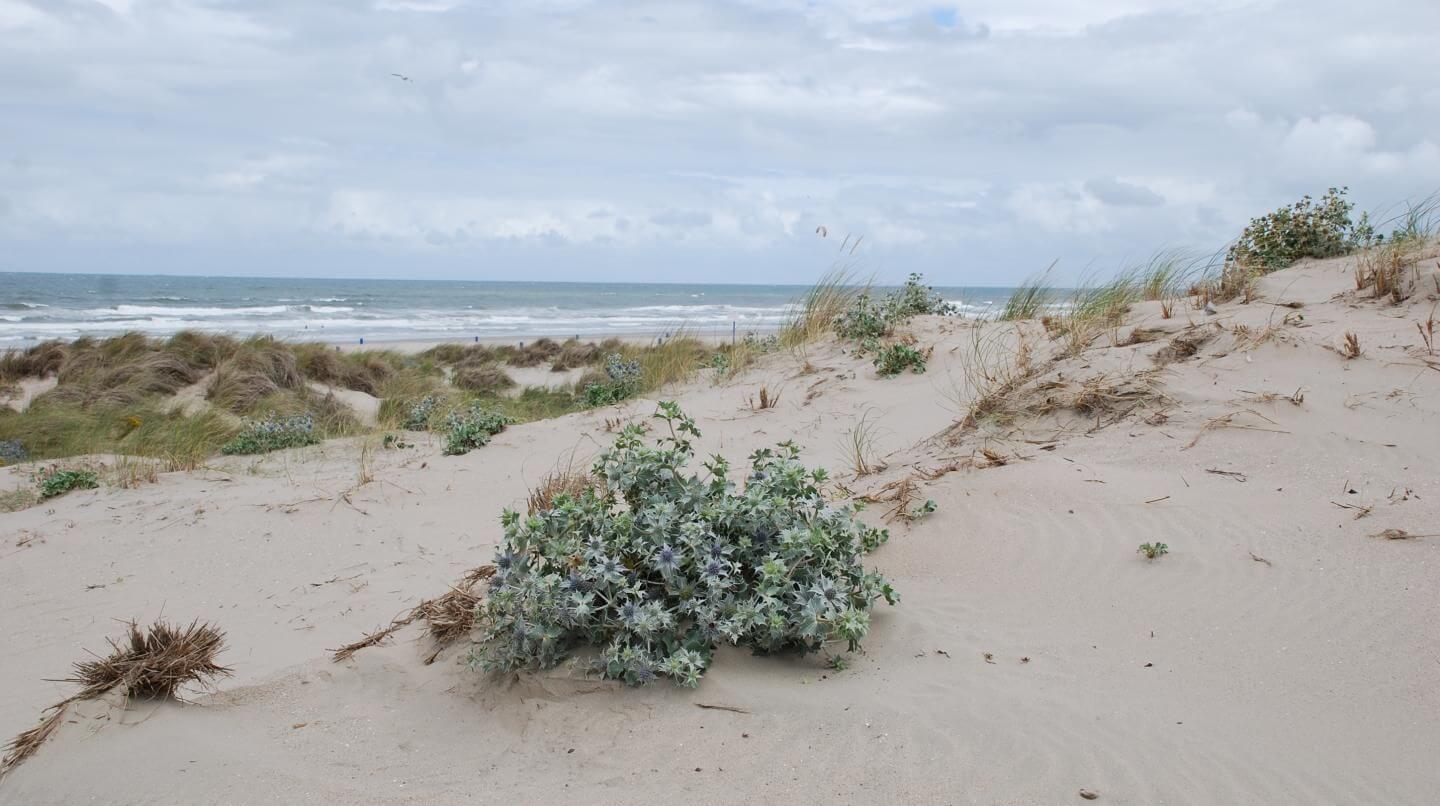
[
  {"x": 147, "y": 663},
  {"x": 450, "y": 616},
  {"x": 1228, "y": 421},
  {"x": 1399, "y": 534}
]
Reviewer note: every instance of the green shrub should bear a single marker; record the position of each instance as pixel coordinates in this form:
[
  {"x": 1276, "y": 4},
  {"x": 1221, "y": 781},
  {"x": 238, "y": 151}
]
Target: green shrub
[
  {"x": 273, "y": 433},
  {"x": 472, "y": 428},
  {"x": 417, "y": 417},
  {"x": 622, "y": 381},
  {"x": 865, "y": 318},
  {"x": 896, "y": 358},
  {"x": 661, "y": 565},
  {"x": 1304, "y": 229},
  {"x": 55, "y": 482}
]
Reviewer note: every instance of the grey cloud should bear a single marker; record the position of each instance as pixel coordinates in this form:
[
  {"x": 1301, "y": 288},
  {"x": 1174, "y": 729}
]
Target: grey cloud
[
  {"x": 682, "y": 219},
  {"x": 1122, "y": 194}
]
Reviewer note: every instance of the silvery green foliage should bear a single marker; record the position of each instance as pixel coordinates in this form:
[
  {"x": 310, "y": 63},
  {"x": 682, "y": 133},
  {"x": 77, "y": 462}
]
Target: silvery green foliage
[
  {"x": 662, "y": 565},
  {"x": 418, "y": 417},
  {"x": 12, "y": 451},
  {"x": 472, "y": 427},
  {"x": 868, "y": 318},
  {"x": 273, "y": 433},
  {"x": 622, "y": 382}
]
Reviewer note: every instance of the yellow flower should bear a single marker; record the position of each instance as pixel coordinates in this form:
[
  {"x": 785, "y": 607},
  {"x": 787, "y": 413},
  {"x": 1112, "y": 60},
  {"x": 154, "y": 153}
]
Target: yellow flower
[{"x": 133, "y": 422}]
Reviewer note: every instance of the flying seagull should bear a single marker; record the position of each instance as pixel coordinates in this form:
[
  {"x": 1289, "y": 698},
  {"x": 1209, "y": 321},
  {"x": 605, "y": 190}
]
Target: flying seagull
[{"x": 402, "y": 78}]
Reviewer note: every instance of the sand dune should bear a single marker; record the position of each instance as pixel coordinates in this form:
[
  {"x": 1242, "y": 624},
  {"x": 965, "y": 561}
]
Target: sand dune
[{"x": 1277, "y": 654}]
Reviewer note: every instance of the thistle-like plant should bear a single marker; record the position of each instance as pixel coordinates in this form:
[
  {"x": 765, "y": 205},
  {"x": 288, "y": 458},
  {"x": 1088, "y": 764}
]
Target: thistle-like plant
[
  {"x": 273, "y": 433},
  {"x": 622, "y": 381},
  {"x": 868, "y": 318},
  {"x": 658, "y": 566},
  {"x": 472, "y": 427},
  {"x": 417, "y": 418}
]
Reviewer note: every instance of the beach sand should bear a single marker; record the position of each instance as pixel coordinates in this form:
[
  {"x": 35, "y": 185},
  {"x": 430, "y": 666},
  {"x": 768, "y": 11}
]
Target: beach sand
[{"x": 1278, "y": 654}]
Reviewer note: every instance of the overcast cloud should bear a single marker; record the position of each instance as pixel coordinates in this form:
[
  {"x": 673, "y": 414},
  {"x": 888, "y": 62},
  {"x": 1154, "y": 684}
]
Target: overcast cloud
[{"x": 564, "y": 139}]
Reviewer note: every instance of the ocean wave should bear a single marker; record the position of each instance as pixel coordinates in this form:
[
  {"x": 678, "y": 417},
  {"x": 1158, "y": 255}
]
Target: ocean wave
[{"x": 167, "y": 310}]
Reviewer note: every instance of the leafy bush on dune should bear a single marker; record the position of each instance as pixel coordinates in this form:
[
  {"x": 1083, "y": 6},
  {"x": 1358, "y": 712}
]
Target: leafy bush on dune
[
  {"x": 471, "y": 428},
  {"x": 417, "y": 417},
  {"x": 867, "y": 318},
  {"x": 1307, "y": 228},
  {"x": 658, "y": 566},
  {"x": 273, "y": 433},
  {"x": 54, "y": 481},
  {"x": 622, "y": 381},
  {"x": 896, "y": 358}
]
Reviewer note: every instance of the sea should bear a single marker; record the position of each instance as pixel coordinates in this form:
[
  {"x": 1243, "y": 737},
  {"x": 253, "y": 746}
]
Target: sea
[{"x": 39, "y": 306}]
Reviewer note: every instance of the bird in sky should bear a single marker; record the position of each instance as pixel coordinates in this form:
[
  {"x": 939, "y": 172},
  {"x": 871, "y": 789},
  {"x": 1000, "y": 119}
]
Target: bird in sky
[{"x": 402, "y": 78}]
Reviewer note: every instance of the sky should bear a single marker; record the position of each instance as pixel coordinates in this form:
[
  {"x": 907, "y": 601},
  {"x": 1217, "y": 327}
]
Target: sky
[{"x": 692, "y": 142}]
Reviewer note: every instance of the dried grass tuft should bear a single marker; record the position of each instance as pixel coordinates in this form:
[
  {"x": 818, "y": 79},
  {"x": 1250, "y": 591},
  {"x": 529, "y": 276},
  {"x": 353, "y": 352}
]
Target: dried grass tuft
[
  {"x": 766, "y": 400},
  {"x": 1185, "y": 344},
  {"x": 148, "y": 663},
  {"x": 566, "y": 482},
  {"x": 450, "y": 617}
]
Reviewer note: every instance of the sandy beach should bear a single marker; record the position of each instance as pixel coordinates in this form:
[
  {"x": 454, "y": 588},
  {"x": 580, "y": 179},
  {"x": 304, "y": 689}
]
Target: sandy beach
[{"x": 1280, "y": 652}]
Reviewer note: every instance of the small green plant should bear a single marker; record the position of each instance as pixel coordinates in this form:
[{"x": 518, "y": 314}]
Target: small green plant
[
  {"x": 394, "y": 442},
  {"x": 1307, "y": 228},
  {"x": 471, "y": 428},
  {"x": 417, "y": 418},
  {"x": 865, "y": 318},
  {"x": 896, "y": 358},
  {"x": 622, "y": 381},
  {"x": 925, "y": 509},
  {"x": 54, "y": 481},
  {"x": 658, "y": 565},
  {"x": 11, "y": 451},
  {"x": 1153, "y": 550},
  {"x": 273, "y": 433},
  {"x": 837, "y": 663}
]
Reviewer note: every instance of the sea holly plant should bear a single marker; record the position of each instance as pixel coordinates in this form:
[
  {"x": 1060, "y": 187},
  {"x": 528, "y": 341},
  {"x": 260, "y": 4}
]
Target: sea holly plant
[
  {"x": 622, "y": 381},
  {"x": 272, "y": 433},
  {"x": 659, "y": 566},
  {"x": 472, "y": 427}
]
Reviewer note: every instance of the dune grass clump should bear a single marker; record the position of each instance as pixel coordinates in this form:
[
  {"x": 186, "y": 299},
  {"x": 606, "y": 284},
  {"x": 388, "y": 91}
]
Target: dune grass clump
[
  {"x": 1030, "y": 298},
  {"x": 894, "y": 359},
  {"x": 260, "y": 367},
  {"x": 54, "y": 482},
  {"x": 621, "y": 382},
  {"x": 816, "y": 312},
  {"x": 657, "y": 568},
  {"x": 273, "y": 433},
  {"x": 575, "y": 354},
  {"x": 484, "y": 378},
  {"x": 472, "y": 427}
]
